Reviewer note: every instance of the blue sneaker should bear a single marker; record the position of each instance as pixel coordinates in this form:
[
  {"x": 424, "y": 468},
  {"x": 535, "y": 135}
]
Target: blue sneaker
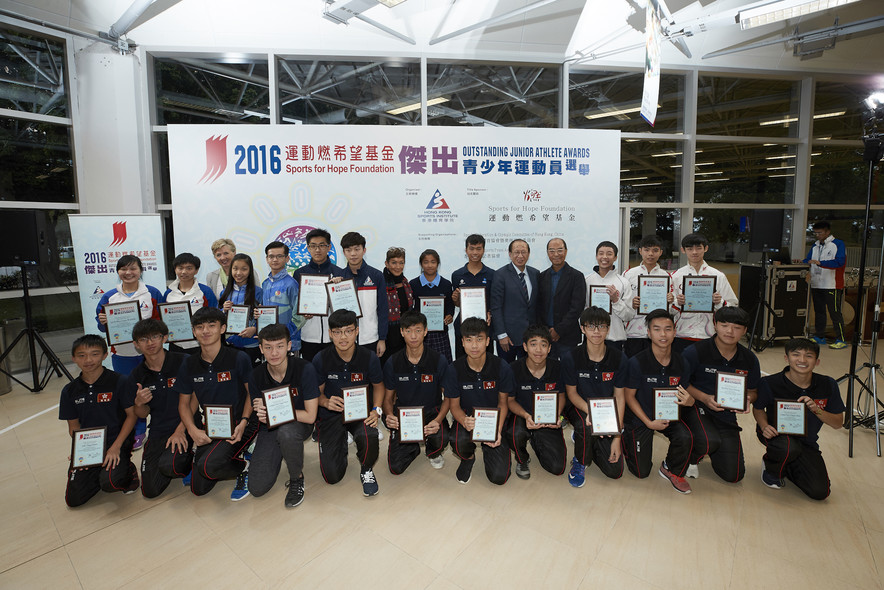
[
  {"x": 369, "y": 483},
  {"x": 577, "y": 475},
  {"x": 818, "y": 340},
  {"x": 771, "y": 481},
  {"x": 241, "y": 489},
  {"x": 185, "y": 481}
]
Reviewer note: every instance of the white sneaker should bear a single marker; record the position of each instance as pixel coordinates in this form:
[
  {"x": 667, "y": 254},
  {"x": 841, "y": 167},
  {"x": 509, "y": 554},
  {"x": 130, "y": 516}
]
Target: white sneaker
[
  {"x": 693, "y": 471},
  {"x": 437, "y": 462},
  {"x": 349, "y": 439}
]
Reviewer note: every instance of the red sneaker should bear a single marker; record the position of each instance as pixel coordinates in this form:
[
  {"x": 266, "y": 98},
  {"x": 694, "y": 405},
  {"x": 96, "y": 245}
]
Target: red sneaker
[{"x": 680, "y": 484}]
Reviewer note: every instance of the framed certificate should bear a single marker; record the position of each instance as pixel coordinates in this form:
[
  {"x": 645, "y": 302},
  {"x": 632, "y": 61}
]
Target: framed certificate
[
  {"x": 665, "y": 403},
  {"x": 652, "y": 293},
  {"x": 312, "y": 296},
  {"x": 343, "y": 295},
  {"x": 698, "y": 292},
  {"x": 121, "y": 318},
  {"x": 278, "y": 403},
  {"x": 546, "y": 407},
  {"x": 604, "y": 419},
  {"x": 791, "y": 417},
  {"x": 176, "y": 316},
  {"x": 473, "y": 303},
  {"x": 355, "y": 403},
  {"x": 411, "y": 424},
  {"x": 238, "y": 317},
  {"x": 87, "y": 447},
  {"x": 434, "y": 309},
  {"x": 219, "y": 421},
  {"x": 485, "y": 428},
  {"x": 599, "y": 297},
  {"x": 267, "y": 316},
  {"x": 730, "y": 391}
]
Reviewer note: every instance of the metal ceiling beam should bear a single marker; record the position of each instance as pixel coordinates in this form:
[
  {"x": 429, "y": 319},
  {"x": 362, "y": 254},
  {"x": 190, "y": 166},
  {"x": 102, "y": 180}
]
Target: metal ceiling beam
[
  {"x": 492, "y": 21},
  {"x": 128, "y": 18}
]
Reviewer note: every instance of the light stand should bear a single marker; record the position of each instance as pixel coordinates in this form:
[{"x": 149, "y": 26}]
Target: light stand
[{"x": 763, "y": 310}]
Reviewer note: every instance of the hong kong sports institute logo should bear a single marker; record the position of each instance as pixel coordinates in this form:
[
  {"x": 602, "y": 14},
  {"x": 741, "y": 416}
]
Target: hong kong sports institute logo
[
  {"x": 216, "y": 158},
  {"x": 437, "y": 202}
]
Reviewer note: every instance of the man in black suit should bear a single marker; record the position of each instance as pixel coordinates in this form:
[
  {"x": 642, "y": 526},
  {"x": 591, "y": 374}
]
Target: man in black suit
[
  {"x": 513, "y": 301},
  {"x": 561, "y": 293}
]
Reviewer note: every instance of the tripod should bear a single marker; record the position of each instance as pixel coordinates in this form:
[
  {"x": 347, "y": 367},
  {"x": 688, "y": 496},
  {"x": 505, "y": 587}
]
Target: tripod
[
  {"x": 762, "y": 310},
  {"x": 34, "y": 339}
]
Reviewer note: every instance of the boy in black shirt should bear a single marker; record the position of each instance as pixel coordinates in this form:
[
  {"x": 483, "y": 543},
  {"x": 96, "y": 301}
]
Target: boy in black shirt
[{"x": 97, "y": 398}]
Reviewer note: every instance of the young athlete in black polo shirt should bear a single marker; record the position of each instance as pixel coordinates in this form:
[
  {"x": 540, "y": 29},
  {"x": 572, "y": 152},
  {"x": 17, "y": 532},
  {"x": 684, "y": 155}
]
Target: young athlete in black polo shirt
[
  {"x": 413, "y": 377},
  {"x": 282, "y": 368},
  {"x": 216, "y": 375},
  {"x": 657, "y": 367},
  {"x": 594, "y": 370},
  {"x": 714, "y": 428},
  {"x": 535, "y": 373},
  {"x": 97, "y": 398},
  {"x": 347, "y": 365},
  {"x": 798, "y": 458},
  {"x": 168, "y": 452},
  {"x": 478, "y": 380}
]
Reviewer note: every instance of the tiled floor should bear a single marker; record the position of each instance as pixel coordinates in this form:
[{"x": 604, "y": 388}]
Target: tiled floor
[{"x": 425, "y": 530}]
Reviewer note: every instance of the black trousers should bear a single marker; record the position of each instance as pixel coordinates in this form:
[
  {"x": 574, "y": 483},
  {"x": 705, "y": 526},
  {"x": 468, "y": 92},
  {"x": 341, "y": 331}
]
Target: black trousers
[
  {"x": 717, "y": 439},
  {"x": 548, "y": 444},
  {"x": 220, "y": 460},
  {"x": 83, "y": 483},
  {"x": 160, "y": 465},
  {"x": 788, "y": 458},
  {"x": 830, "y": 299},
  {"x": 638, "y": 448},
  {"x": 400, "y": 455},
  {"x": 285, "y": 442},
  {"x": 497, "y": 459},
  {"x": 331, "y": 433},
  {"x": 590, "y": 449}
]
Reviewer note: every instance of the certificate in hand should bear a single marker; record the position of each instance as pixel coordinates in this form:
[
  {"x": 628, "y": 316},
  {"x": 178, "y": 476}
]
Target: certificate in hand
[
  {"x": 411, "y": 424},
  {"x": 434, "y": 309},
  {"x": 238, "y": 317},
  {"x": 87, "y": 447},
  {"x": 343, "y": 295},
  {"x": 485, "y": 427},
  {"x": 312, "y": 296},
  {"x": 604, "y": 419},
  {"x": 472, "y": 303},
  {"x": 599, "y": 297},
  {"x": 267, "y": 316},
  {"x": 665, "y": 403},
  {"x": 652, "y": 293},
  {"x": 121, "y": 318},
  {"x": 278, "y": 403},
  {"x": 730, "y": 391},
  {"x": 355, "y": 403},
  {"x": 546, "y": 407},
  {"x": 791, "y": 417},
  {"x": 698, "y": 292},
  {"x": 176, "y": 316},
  {"x": 219, "y": 421}
]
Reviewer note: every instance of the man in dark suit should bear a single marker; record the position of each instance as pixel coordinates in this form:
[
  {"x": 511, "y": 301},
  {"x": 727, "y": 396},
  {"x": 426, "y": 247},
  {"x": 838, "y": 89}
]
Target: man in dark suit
[
  {"x": 513, "y": 301},
  {"x": 561, "y": 293}
]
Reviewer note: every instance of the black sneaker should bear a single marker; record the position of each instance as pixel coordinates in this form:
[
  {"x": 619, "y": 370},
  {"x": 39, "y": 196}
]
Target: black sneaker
[
  {"x": 295, "y": 495},
  {"x": 465, "y": 470},
  {"x": 523, "y": 471}
]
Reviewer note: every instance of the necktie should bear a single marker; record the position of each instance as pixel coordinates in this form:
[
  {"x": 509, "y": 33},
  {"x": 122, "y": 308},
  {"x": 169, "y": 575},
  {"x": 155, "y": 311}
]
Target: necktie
[{"x": 524, "y": 285}]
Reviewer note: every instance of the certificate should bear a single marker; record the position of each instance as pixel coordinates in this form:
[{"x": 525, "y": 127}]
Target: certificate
[
  {"x": 278, "y": 403},
  {"x": 312, "y": 296},
  {"x": 219, "y": 421},
  {"x": 411, "y": 424},
  {"x": 87, "y": 448},
  {"x": 434, "y": 309},
  {"x": 485, "y": 427},
  {"x": 176, "y": 316},
  {"x": 121, "y": 318},
  {"x": 665, "y": 403},
  {"x": 343, "y": 295},
  {"x": 599, "y": 297},
  {"x": 546, "y": 407},
  {"x": 730, "y": 391},
  {"x": 472, "y": 303},
  {"x": 267, "y": 316},
  {"x": 355, "y": 403},
  {"x": 791, "y": 417},
  {"x": 604, "y": 419},
  {"x": 238, "y": 317},
  {"x": 698, "y": 291},
  {"x": 652, "y": 293}
]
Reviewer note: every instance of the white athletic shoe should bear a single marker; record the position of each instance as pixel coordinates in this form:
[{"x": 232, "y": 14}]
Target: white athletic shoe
[
  {"x": 693, "y": 471},
  {"x": 437, "y": 462}
]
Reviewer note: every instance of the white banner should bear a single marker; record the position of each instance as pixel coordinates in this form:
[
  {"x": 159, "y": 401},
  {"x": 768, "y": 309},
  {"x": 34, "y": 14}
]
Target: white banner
[
  {"x": 414, "y": 187},
  {"x": 653, "y": 41}
]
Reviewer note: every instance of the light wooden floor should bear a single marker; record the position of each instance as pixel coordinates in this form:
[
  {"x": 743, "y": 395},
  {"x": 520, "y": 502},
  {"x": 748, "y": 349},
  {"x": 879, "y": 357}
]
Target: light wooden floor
[{"x": 425, "y": 530}]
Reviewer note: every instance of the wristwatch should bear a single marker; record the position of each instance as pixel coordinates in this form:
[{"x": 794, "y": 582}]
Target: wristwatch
[{"x": 378, "y": 410}]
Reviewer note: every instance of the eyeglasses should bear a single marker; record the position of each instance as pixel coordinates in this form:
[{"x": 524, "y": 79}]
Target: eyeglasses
[
  {"x": 556, "y": 250},
  {"x": 343, "y": 332},
  {"x": 317, "y": 246},
  {"x": 152, "y": 338},
  {"x": 595, "y": 327},
  {"x": 276, "y": 256}
]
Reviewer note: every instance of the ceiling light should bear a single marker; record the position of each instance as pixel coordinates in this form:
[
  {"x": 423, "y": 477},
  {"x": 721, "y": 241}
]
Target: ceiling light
[
  {"x": 875, "y": 100},
  {"x": 711, "y": 179},
  {"x": 772, "y": 12},
  {"x": 778, "y": 121},
  {"x": 648, "y": 184},
  {"x": 707, "y": 173},
  {"x": 787, "y": 156},
  {"x": 781, "y": 175},
  {"x": 827, "y": 115},
  {"x": 634, "y": 178},
  {"x": 603, "y": 114},
  {"x": 781, "y": 168},
  {"x": 417, "y": 105}
]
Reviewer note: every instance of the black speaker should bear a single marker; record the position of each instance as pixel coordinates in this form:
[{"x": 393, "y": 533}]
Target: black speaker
[
  {"x": 766, "y": 230},
  {"x": 18, "y": 238}
]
